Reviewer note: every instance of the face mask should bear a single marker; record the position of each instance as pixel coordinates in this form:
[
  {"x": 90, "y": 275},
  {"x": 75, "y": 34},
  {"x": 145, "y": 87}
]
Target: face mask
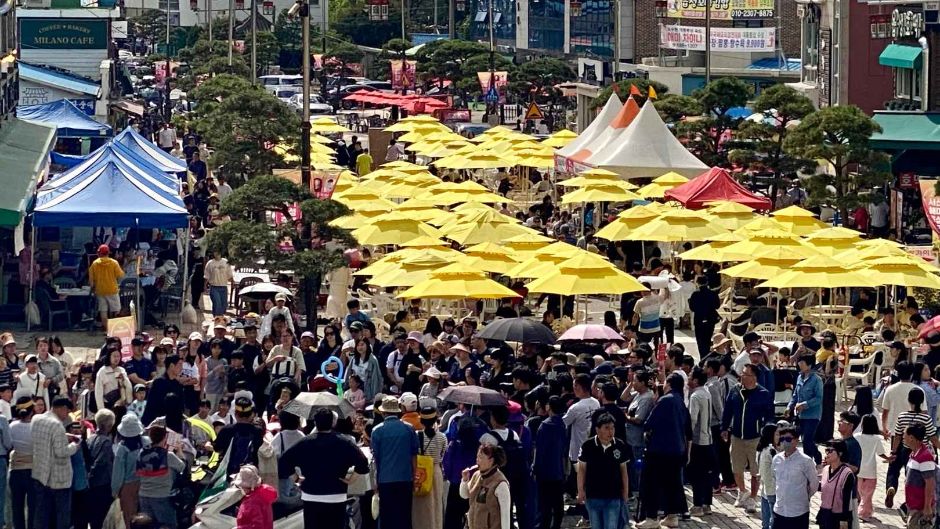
[{"x": 785, "y": 445}]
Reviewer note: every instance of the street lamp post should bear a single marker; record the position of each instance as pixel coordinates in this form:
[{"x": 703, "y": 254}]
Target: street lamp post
[{"x": 302, "y": 8}]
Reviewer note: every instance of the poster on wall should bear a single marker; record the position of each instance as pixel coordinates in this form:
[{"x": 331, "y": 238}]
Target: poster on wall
[
  {"x": 931, "y": 204},
  {"x": 722, "y": 39},
  {"x": 497, "y": 80},
  {"x": 721, "y": 9},
  {"x": 403, "y": 74}
]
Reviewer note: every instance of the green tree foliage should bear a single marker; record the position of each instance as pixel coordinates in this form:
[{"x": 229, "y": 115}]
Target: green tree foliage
[
  {"x": 623, "y": 90},
  {"x": 674, "y": 107},
  {"x": 759, "y": 145},
  {"x": 469, "y": 82},
  {"x": 287, "y": 30},
  {"x": 242, "y": 121},
  {"x": 248, "y": 238},
  {"x": 840, "y": 136},
  {"x": 150, "y": 24},
  {"x": 444, "y": 59},
  {"x": 351, "y": 23},
  {"x": 536, "y": 79},
  {"x": 340, "y": 56},
  {"x": 268, "y": 49}
]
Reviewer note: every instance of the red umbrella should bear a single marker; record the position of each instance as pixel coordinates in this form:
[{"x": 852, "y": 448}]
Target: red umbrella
[{"x": 931, "y": 326}]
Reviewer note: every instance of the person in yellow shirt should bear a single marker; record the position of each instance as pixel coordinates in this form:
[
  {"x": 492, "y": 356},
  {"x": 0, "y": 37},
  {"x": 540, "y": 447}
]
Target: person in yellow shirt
[
  {"x": 364, "y": 163},
  {"x": 103, "y": 276},
  {"x": 826, "y": 354}
]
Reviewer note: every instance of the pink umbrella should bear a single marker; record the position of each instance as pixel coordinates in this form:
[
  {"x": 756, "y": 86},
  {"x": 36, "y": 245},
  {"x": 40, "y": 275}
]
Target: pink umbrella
[{"x": 591, "y": 332}]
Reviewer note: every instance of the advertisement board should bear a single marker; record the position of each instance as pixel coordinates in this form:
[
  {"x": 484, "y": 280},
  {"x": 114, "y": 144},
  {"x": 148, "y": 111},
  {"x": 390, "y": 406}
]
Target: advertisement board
[
  {"x": 722, "y": 39},
  {"x": 721, "y": 9}
]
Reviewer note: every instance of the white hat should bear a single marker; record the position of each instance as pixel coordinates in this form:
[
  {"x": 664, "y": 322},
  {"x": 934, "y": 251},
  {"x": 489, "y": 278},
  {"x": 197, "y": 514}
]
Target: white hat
[
  {"x": 433, "y": 372},
  {"x": 168, "y": 341},
  {"x": 247, "y": 478},
  {"x": 280, "y": 296},
  {"x": 408, "y": 401},
  {"x": 348, "y": 344},
  {"x": 130, "y": 426},
  {"x": 196, "y": 336}
]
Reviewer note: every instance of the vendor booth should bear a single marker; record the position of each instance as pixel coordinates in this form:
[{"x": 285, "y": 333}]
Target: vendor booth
[{"x": 73, "y": 127}]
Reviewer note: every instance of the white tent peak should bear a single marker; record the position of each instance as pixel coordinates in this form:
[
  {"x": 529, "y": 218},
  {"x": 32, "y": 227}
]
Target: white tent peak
[
  {"x": 592, "y": 131},
  {"x": 647, "y": 148}
]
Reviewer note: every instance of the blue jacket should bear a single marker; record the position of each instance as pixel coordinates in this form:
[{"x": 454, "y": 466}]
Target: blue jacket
[
  {"x": 394, "y": 446},
  {"x": 745, "y": 419},
  {"x": 669, "y": 426},
  {"x": 809, "y": 390},
  {"x": 765, "y": 378},
  {"x": 551, "y": 449}
]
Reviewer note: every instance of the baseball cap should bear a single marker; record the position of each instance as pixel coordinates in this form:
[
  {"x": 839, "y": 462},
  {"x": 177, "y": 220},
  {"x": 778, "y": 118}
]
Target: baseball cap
[
  {"x": 243, "y": 405},
  {"x": 308, "y": 334},
  {"x": 31, "y": 358},
  {"x": 103, "y": 250},
  {"x": 356, "y": 326},
  {"x": 196, "y": 336}
]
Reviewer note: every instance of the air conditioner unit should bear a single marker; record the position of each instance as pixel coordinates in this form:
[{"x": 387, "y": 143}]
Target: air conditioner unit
[{"x": 37, "y": 4}]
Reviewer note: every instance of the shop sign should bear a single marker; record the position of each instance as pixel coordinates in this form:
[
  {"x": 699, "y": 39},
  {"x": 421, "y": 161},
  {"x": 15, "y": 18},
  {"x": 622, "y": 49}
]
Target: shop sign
[
  {"x": 907, "y": 180},
  {"x": 880, "y": 26},
  {"x": 906, "y": 23},
  {"x": 721, "y": 9},
  {"x": 722, "y": 39},
  {"x": 924, "y": 252},
  {"x": 59, "y": 34},
  {"x": 931, "y": 203}
]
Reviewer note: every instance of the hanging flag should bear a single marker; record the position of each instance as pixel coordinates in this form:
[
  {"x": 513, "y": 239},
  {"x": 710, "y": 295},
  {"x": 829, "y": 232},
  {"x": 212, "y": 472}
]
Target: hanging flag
[
  {"x": 651, "y": 92},
  {"x": 634, "y": 91}
]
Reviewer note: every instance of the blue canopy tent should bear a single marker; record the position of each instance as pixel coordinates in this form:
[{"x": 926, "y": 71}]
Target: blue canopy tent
[
  {"x": 112, "y": 187},
  {"x": 151, "y": 174},
  {"x": 150, "y": 152},
  {"x": 68, "y": 120}
]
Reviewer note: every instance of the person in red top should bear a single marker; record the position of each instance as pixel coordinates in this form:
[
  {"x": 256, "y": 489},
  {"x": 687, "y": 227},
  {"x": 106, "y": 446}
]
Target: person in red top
[
  {"x": 861, "y": 219},
  {"x": 920, "y": 484},
  {"x": 255, "y": 510}
]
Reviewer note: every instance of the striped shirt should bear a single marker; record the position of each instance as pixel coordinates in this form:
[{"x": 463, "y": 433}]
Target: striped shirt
[{"x": 909, "y": 418}]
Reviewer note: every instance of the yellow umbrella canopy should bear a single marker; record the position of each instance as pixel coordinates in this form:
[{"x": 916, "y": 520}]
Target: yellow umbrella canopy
[
  {"x": 712, "y": 251},
  {"x": 598, "y": 193},
  {"x": 492, "y": 263},
  {"x": 458, "y": 281},
  {"x": 391, "y": 260},
  {"x": 408, "y": 125},
  {"x": 798, "y": 220},
  {"x": 497, "y": 130},
  {"x": 761, "y": 268},
  {"x": 731, "y": 215},
  {"x": 527, "y": 242},
  {"x": 536, "y": 159},
  {"x": 585, "y": 274},
  {"x": 483, "y": 227},
  {"x": 560, "y": 139},
  {"x": 820, "y": 272},
  {"x": 445, "y": 196},
  {"x": 762, "y": 223},
  {"x": 354, "y": 220},
  {"x": 393, "y": 228},
  {"x": 405, "y": 166},
  {"x": 363, "y": 201},
  {"x": 592, "y": 176},
  {"x": 626, "y": 222},
  {"x": 835, "y": 235},
  {"x": 327, "y": 125},
  {"x": 425, "y": 242},
  {"x": 487, "y": 249},
  {"x": 878, "y": 243},
  {"x": 420, "y": 133},
  {"x": 906, "y": 260},
  {"x": 477, "y": 160},
  {"x": 761, "y": 241},
  {"x": 678, "y": 225},
  {"x": 859, "y": 254},
  {"x": 445, "y": 148},
  {"x": 908, "y": 275},
  {"x": 408, "y": 272}
]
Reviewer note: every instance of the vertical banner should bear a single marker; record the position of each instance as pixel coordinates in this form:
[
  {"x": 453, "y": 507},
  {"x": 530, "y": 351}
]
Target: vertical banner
[
  {"x": 124, "y": 328},
  {"x": 931, "y": 203},
  {"x": 403, "y": 73},
  {"x": 493, "y": 81}
]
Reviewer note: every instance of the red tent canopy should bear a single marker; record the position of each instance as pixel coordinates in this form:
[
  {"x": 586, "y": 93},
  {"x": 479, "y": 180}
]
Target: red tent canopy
[{"x": 713, "y": 185}]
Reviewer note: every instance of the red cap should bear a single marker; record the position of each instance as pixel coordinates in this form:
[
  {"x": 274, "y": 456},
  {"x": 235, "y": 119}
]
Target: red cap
[{"x": 103, "y": 250}]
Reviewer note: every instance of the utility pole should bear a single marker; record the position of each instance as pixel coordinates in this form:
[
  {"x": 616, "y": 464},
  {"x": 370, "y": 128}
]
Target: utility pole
[
  {"x": 491, "y": 106},
  {"x": 435, "y": 16},
  {"x": 616, "y": 65},
  {"x": 451, "y": 19},
  {"x": 254, "y": 41},
  {"x": 231, "y": 29},
  {"x": 404, "y": 9},
  {"x": 324, "y": 16},
  {"x": 167, "y": 110},
  {"x": 305, "y": 122},
  {"x": 708, "y": 41},
  {"x": 209, "y": 19}
]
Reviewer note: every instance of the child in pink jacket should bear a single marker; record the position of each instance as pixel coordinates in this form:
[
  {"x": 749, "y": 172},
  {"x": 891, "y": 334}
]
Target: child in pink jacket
[{"x": 255, "y": 509}]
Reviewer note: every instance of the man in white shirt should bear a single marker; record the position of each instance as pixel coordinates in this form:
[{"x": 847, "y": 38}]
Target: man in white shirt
[
  {"x": 166, "y": 138},
  {"x": 224, "y": 189},
  {"x": 796, "y": 482},
  {"x": 578, "y": 417},
  {"x": 893, "y": 400},
  {"x": 394, "y": 361},
  {"x": 879, "y": 210}
]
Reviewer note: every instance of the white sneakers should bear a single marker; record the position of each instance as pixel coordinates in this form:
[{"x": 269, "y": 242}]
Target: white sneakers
[
  {"x": 671, "y": 521},
  {"x": 649, "y": 523}
]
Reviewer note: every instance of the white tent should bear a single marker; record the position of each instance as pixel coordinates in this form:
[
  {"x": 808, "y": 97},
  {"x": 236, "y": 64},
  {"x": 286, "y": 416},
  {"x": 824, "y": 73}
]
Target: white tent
[
  {"x": 647, "y": 149},
  {"x": 604, "y": 117},
  {"x": 606, "y": 142}
]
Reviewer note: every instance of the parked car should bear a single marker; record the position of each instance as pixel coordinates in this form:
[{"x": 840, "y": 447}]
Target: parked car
[
  {"x": 317, "y": 104},
  {"x": 384, "y": 86},
  {"x": 285, "y": 94}
]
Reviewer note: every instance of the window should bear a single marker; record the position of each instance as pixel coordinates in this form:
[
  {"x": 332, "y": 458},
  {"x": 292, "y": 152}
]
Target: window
[
  {"x": 747, "y": 23},
  {"x": 810, "y": 38},
  {"x": 908, "y": 84}
]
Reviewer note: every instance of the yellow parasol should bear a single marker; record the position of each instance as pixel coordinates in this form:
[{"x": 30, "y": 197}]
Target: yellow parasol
[
  {"x": 731, "y": 215},
  {"x": 458, "y": 281},
  {"x": 392, "y": 228},
  {"x": 585, "y": 274},
  {"x": 483, "y": 226},
  {"x": 678, "y": 226},
  {"x": 405, "y": 166},
  {"x": 560, "y": 139},
  {"x": 527, "y": 242},
  {"x": 623, "y": 226},
  {"x": 712, "y": 251},
  {"x": 354, "y": 220},
  {"x": 762, "y": 223},
  {"x": 327, "y": 125},
  {"x": 421, "y": 133},
  {"x": 539, "y": 159},
  {"x": 761, "y": 268},
  {"x": 445, "y": 148},
  {"x": 759, "y": 242},
  {"x": 834, "y": 240},
  {"x": 408, "y": 272},
  {"x": 476, "y": 160},
  {"x": 798, "y": 220},
  {"x": 447, "y": 193},
  {"x": 820, "y": 272},
  {"x": 425, "y": 242},
  {"x": 391, "y": 260},
  {"x": 491, "y": 258},
  {"x": 593, "y": 176},
  {"x": 598, "y": 193}
]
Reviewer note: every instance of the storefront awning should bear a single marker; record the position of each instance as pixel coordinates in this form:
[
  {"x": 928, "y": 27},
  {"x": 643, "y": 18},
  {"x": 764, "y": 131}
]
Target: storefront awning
[
  {"x": 24, "y": 155},
  {"x": 901, "y": 56},
  {"x": 907, "y": 130},
  {"x": 64, "y": 81}
]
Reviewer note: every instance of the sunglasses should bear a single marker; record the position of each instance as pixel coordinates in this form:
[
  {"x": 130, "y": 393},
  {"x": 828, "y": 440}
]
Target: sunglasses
[
  {"x": 830, "y": 450},
  {"x": 786, "y": 438}
]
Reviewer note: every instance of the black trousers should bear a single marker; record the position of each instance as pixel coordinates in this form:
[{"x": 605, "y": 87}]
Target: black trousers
[
  {"x": 551, "y": 503},
  {"x": 457, "y": 508},
  {"x": 324, "y": 515},
  {"x": 395, "y": 505},
  {"x": 669, "y": 329},
  {"x": 903, "y": 455},
  {"x": 519, "y": 493},
  {"x": 701, "y": 473},
  {"x": 703, "y": 337},
  {"x": 796, "y": 522},
  {"x": 661, "y": 485},
  {"x": 96, "y": 510},
  {"x": 723, "y": 453}
]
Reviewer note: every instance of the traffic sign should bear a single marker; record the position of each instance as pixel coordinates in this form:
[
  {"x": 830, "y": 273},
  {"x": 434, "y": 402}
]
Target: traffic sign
[
  {"x": 534, "y": 112},
  {"x": 492, "y": 96}
]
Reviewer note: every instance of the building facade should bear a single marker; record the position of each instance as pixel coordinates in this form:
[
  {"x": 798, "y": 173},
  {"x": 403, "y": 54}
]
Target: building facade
[{"x": 189, "y": 13}]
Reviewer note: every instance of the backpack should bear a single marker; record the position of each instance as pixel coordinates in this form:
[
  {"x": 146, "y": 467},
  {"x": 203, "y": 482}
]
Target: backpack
[
  {"x": 241, "y": 450},
  {"x": 516, "y": 468}
]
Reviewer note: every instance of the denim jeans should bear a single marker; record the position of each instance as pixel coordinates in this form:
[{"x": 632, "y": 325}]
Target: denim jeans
[
  {"x": 808, "y": 436},
  {"x": 767, "y": 511},
  {"x": 53, "y": 507},
  {"x": 606, "y": 513},
  {"x": 3, "y": 488},
  {"x": 22, "y": 498},
  {"x": 219, "y": 298},
  {"x": 160, "y": 509}
]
